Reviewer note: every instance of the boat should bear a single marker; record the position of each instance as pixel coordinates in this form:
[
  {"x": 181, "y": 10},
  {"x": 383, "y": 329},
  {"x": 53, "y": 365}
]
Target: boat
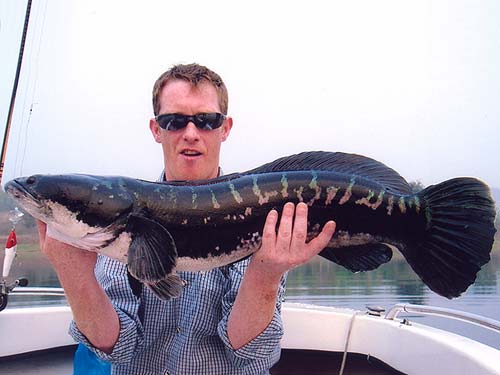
[{"x": 317, "y": 340}]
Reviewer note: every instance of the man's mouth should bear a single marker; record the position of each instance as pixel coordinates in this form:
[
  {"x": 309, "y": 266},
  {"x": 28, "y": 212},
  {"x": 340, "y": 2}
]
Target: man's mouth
[{"x": 190, "y": 153}]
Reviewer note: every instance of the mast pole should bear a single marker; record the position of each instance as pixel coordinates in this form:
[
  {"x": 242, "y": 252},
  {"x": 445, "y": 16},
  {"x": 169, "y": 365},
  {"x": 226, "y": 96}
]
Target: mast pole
[{"x": 14, "y": 89}]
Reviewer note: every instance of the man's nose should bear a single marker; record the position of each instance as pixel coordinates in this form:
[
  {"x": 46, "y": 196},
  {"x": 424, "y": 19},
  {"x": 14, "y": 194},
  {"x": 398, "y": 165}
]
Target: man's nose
[{"x": 191, "y": 132}]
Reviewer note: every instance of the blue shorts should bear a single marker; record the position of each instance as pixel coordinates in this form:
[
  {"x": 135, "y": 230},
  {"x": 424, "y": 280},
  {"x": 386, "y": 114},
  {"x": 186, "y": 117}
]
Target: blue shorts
[{"x": 87, "y": 363}]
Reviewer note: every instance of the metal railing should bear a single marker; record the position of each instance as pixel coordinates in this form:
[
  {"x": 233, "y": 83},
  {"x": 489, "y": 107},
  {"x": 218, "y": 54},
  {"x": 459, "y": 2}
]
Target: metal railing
[
  {"x": 479, "y": 320},
  {"x": 18, "y": 288},
  {"x": 38, "y": 291}
]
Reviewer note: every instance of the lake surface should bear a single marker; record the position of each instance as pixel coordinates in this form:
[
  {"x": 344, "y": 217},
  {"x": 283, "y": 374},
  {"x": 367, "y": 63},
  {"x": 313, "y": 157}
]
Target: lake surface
[
  {"x": 324, "y": 283},
  {"x": 321, "y": 282}
]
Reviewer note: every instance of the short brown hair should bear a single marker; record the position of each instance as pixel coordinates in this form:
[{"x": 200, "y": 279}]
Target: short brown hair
[{"x": 193, "y": 73}]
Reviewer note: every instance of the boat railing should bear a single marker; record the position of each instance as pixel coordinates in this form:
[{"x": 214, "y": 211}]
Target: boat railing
[
  {"x": 38, "y": 291},
  {"x": 19, "y": 288},
  {"x": 479, "y": 320}
]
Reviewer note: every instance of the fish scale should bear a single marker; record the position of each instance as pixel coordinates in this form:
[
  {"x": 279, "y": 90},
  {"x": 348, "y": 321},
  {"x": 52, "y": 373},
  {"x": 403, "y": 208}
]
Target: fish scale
[{"x": 161, "y": 228}]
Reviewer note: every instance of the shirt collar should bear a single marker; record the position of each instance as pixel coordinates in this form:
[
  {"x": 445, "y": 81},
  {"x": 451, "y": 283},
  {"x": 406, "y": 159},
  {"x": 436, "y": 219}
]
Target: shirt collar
[{"x": 162, "y": 177}]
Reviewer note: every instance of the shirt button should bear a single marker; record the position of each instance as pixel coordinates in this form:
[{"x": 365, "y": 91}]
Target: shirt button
[{"x": 178, "y": 329}]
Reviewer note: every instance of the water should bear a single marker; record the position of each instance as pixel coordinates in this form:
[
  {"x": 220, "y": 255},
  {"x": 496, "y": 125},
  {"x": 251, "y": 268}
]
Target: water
[
  {"x": 324, "y": 283},
  {"x": 321, "y": 282}
]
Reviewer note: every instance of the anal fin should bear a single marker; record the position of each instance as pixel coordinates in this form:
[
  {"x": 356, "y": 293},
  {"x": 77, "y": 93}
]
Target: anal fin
[{"x": 358, "y": 258}]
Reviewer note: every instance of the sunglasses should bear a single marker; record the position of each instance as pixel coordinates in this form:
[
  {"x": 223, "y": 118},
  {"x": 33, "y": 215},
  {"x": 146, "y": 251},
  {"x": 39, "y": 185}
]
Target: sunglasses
[{"x": 203, "y": 121}]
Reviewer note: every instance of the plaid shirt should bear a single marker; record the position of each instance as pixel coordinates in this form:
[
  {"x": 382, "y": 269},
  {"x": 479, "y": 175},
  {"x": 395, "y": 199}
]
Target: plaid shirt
[{"x": 185, "y": 335}]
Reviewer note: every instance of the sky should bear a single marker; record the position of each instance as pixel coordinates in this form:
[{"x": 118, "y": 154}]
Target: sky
[{"x": 415, "y": 85}]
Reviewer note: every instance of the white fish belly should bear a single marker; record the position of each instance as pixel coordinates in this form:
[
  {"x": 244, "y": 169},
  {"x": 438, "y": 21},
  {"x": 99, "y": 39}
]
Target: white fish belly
[{"x": 210, "y": 262}]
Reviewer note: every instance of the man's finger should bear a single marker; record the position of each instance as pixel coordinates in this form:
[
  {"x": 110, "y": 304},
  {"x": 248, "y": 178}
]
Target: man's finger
[
  {"x": 269, "y": 231},
  {"x": 285, "y": 227},
  {"x": 42, "y": 232},
  {"x": 300, "y": 225},
  {"x": 321, "y": 241}
]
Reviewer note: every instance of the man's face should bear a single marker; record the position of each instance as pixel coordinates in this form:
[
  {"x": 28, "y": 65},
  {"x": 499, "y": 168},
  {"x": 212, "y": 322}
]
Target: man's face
[{"x": 190, "y": 153}]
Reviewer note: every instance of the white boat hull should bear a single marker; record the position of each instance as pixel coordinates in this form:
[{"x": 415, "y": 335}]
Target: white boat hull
[
  {"x": 25, "y": 330},
  {"x": 410, "y": 349}
]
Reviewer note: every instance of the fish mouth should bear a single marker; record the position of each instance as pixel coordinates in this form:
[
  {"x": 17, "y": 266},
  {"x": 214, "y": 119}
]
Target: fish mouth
[
  {"x": 27, "y": 199},
  {"x": 17, "y": 191}
]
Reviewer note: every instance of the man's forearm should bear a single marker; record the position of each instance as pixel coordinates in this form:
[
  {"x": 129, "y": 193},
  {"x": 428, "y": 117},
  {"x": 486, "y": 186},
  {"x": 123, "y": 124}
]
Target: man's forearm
[
  {"x": 92, "y": 310},
  {"x": 254, "y": 306}
]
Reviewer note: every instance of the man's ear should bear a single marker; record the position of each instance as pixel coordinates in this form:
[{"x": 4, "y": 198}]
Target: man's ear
[
  {"x": 226, "y": 128},
  {"x": 155, "y": 129}
]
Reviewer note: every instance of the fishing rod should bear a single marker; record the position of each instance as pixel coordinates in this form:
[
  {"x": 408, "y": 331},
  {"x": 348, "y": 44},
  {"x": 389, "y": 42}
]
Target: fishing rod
[
  {"x": 5, "y": 288},
  {"x": 14, "y": 89}
]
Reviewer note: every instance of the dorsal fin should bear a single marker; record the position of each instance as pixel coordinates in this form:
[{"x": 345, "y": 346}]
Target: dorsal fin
[{"x": 339, "y": 162}]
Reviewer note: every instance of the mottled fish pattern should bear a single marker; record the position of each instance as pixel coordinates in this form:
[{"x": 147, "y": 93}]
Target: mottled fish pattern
[{"x": 445, "y": 232}]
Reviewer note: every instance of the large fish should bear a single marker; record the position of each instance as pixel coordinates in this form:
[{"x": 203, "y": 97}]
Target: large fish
[{"x": 445, "y": 232}]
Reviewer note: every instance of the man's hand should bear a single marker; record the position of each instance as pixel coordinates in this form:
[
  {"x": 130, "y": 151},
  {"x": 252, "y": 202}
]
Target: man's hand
[
  {"x": 287, "y": 248},
  {"x": 63, "y": 256},
  {"x": 255, "y": 303}
]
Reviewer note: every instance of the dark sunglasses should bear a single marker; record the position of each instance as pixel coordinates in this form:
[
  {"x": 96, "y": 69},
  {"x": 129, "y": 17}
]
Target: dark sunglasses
[{"x": 203, "y": 121}]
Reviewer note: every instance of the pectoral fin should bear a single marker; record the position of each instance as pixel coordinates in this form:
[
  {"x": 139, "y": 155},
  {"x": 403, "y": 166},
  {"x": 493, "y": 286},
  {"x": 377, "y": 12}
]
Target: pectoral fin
[
  {"x": 358, "y": 258},
  {"x": 152, "y": 253}
]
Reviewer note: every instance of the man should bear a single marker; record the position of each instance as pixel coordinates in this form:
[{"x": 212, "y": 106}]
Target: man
[{"x": 227, "y": 321}]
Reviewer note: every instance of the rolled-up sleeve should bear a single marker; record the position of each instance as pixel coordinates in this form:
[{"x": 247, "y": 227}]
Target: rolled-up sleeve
[
  {"x": 266, "y": 346},
  {"x": 112, "y": 276}
]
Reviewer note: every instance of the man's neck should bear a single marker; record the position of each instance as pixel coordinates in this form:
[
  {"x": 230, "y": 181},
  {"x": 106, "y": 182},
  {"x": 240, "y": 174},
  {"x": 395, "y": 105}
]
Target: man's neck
[{"x": 163, "y": 176}]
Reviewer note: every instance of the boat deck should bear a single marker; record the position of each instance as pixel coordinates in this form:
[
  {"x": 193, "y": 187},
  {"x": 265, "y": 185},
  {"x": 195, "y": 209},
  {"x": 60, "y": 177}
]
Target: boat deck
[
  {"x": 59, "y": 361},
  {"x": 313, "y": 362}
]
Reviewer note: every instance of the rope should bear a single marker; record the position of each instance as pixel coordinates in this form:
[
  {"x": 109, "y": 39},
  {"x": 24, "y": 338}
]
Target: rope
[
  {"x": 344, "y": 357},
  {"x": 38, "y": 32}
]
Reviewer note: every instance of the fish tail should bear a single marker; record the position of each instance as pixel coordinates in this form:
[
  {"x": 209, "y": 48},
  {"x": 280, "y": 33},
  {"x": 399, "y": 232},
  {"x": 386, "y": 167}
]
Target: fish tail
[{"x": 459, "y": 234}]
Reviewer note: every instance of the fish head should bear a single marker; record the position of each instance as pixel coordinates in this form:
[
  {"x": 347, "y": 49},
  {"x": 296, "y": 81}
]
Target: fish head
[{"x": 74, "y": 204}]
